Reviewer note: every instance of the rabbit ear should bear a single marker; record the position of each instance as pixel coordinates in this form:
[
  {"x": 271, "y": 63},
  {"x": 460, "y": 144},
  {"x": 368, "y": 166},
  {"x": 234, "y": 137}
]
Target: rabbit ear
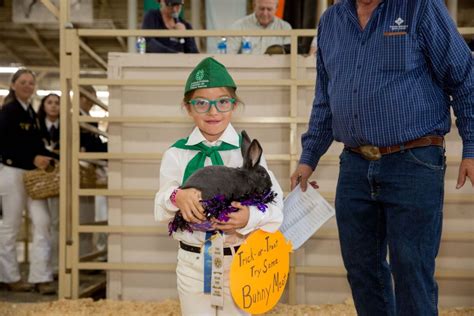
[
  {"x": 254, "y": 153},
  {"x": 245, "y": 143}
]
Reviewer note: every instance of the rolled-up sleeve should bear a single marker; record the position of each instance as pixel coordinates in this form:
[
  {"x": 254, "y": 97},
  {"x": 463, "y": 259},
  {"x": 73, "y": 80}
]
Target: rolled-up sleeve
[{"x": 170, "y": 179}]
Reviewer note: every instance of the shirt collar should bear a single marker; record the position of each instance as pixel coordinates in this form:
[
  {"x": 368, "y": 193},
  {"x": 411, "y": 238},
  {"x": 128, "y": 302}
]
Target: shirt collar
[
  {"x": 229, "y": 136},
  {"x": 352, "y": 3},
  {"x": 23, "y": 104},
  {"x": 49, "y": 123}
]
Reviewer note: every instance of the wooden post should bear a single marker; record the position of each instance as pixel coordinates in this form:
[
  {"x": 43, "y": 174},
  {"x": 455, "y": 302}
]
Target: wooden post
[{"x": 64, "y": 290}]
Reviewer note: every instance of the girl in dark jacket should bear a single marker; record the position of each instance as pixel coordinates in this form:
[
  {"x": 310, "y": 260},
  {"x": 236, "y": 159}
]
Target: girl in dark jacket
[
  {"x": 48, "y": 115},
  {"x": 21, "y": 149}
]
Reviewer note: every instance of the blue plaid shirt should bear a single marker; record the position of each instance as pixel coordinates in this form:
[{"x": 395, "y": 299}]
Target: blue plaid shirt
[{"x": 391, "y": 82}]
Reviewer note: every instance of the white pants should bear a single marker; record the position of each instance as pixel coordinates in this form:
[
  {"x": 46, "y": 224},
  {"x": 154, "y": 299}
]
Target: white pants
[
  {"x": 101, "y": 215},
  {"x": 190, "y": 277},
  {"x": 14, "y": 201}
]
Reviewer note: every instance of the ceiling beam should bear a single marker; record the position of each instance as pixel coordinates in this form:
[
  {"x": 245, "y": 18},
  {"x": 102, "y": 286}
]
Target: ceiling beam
[
  {"x": 17, "y": 57},
  {"x": 37, "y": 39},
  {"x": 51, "y": 7},
  {"x": 54, "y": 10},
  {"x": 92, "y": 54},
  {"x": 119, "y": 39}
]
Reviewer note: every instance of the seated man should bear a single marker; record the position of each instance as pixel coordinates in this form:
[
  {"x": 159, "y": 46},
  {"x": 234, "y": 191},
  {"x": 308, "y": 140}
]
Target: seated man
[
  {"x": 262, "y": 18},
  {"x": 167, "y": 18}
]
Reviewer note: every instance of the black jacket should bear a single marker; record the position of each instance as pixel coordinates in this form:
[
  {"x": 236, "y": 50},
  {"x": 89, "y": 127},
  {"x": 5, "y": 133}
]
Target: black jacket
[
  {"x": 20, "y": 137},
  {"x": 154, "y": 21},
  {"x": 91, "y": 142},
  {"x": 50, "y": 139}
]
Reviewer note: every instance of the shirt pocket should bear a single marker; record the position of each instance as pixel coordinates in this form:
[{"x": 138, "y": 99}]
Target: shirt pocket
[{"x": 395, "y": 52}]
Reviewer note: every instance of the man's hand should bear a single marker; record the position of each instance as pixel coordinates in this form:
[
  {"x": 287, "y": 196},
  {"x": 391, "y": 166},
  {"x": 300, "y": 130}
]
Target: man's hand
[
  {"x": 466, "y": 169},
  {"x": 237, "y": 220},
  {"x": 189, "y": 203},
  {"x": 301, "y": 175}
]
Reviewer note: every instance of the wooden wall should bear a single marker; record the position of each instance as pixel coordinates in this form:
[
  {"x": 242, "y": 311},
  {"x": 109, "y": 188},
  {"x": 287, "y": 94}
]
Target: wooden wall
[{"x": 270, "y": 116}]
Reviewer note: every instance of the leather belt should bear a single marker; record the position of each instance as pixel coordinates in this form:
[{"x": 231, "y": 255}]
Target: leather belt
[
  {"x": 227, "y": 251},
  {"x": 375, "y": 153}
]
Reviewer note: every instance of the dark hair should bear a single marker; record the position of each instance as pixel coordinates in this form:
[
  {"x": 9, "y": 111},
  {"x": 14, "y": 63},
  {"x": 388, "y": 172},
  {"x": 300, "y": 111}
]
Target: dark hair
[
  {"x": 11, "y": 94},
  {"x": 89, "y": 89},
  {"x": 189, "y": 95},
  {"x": 41, "y": 112}
]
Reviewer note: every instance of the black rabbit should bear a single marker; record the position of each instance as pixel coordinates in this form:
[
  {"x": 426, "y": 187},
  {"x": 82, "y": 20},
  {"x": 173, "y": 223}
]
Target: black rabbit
[
  {"x": 220, "y": 185},
  {"x": 233, "y": 182}
]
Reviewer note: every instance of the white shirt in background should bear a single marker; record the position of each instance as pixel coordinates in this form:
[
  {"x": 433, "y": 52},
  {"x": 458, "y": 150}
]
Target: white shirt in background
[
  {"x": 261, "y": 43},
  {"x": 48, "y": 123}
]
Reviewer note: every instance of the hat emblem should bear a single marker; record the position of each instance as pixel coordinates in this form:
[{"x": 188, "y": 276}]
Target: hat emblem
[{"x": 199, "y": 75}]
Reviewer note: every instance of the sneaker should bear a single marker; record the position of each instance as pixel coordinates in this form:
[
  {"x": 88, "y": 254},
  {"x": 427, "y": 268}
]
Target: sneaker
[
  {"x": 45, "y": 288},
  {"x": 19, "y": 286}
]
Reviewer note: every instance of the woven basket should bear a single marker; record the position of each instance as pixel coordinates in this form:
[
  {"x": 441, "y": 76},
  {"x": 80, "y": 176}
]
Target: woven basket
[{"x": 41, "y": 184}]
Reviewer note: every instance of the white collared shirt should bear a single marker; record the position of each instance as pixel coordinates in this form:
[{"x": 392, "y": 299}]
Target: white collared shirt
[
  {"x": 259, "y": 43},
  {"x": 174, "y": 163},
  {"x": 48, "y": 124},
  {"x": 23, "y": 104}
]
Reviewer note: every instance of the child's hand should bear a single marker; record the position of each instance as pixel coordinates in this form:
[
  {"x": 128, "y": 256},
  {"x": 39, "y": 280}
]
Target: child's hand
[
  {"x": 238, "y": 219},
  {"x": 188, "y": 201}
]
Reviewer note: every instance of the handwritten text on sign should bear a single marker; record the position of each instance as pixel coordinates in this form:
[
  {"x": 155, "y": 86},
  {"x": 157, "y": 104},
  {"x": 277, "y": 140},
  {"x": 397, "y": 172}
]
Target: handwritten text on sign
[{"x": 259, "y": 271}]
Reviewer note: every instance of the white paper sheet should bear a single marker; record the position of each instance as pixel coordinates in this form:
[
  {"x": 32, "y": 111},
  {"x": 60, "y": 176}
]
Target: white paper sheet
[{"x": 304, "y": 213}]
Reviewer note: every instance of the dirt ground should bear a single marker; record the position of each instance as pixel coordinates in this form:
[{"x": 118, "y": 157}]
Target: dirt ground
[{"x": 85, "y": 307}]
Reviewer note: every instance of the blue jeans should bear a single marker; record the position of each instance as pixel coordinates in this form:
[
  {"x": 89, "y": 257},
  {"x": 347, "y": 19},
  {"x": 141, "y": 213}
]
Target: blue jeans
[{"x": 395, "y": 203}]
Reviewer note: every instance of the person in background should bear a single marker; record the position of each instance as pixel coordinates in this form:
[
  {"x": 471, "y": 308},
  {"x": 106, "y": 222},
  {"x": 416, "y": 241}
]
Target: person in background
[
  {"x": 90, "y": 141},
  {"x": 167, "y": 18},
  {"x": 90, "y": 206},
  {"x": 388, "y": 73},
  {"x": 210, "y": 100},
  {"x": 262, "y": 18},
  {"x": 21, "y": 149},
  {"x": 48, "y": 115}
]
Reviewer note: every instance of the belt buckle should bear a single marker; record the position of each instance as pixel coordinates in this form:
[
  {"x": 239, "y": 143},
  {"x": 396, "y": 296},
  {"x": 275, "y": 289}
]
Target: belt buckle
[{"x": 370, "y": 152}]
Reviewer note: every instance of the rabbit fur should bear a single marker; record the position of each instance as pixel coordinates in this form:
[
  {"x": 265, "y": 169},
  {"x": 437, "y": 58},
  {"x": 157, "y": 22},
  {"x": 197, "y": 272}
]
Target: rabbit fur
[{"x": 233, "y": 183}]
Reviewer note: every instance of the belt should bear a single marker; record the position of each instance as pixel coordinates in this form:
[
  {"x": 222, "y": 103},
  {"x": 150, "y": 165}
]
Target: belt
[
  {"x": 375, "y": 153},
  {"x": 227, "y": 251}
]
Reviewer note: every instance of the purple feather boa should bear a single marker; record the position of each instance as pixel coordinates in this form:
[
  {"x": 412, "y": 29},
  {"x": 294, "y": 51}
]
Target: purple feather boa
[{"x": 219, "y": 207}]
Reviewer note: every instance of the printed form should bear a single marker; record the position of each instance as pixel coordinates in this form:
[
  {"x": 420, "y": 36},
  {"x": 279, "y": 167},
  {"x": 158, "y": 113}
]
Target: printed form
[{"x": 303, "y": 214}]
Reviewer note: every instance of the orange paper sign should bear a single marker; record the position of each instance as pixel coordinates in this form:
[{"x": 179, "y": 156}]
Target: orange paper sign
[{"x": 259, "y": 271}]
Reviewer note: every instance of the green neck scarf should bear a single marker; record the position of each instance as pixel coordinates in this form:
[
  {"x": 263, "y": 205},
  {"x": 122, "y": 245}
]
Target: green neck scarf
[{"x": 204, "y": 151}]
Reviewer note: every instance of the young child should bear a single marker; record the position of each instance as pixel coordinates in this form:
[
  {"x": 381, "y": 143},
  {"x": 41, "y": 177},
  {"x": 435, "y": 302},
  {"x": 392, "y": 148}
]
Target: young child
[{"x": 210, "y": 99}]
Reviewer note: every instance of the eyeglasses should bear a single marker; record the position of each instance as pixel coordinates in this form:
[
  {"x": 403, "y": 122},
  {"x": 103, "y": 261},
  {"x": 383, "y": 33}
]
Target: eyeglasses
[{"x": 224, "y": 104}]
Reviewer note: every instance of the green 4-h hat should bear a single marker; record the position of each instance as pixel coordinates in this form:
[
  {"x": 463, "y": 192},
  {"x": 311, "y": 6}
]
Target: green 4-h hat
[{"x": 209, "y": 73}]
